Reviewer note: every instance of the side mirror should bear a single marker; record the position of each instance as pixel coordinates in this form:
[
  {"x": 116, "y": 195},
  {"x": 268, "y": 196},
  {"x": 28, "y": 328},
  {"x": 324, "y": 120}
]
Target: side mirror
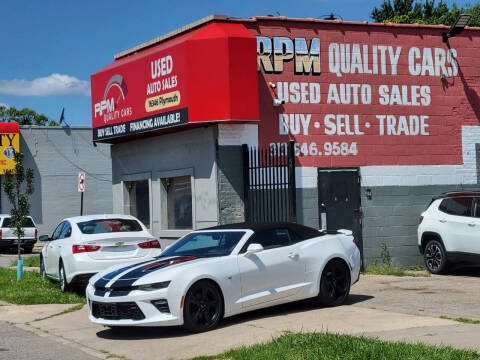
[
  {"x": 253, "y": 248},
  {"x": 43, "y": 238}
]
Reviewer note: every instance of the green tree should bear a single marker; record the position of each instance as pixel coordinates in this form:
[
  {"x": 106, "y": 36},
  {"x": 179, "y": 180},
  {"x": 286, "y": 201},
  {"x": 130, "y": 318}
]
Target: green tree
[
  {"x": 24, "y": 116},
  {"x": 18, "y": 186},
  {"x": 427, "y": 12}
]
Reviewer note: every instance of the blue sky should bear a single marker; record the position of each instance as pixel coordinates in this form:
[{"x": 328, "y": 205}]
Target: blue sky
[{"x": 49, "y": 49}]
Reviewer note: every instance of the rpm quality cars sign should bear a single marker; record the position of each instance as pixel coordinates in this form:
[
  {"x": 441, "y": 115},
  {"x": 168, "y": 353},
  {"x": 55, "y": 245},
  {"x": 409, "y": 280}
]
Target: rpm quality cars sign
[
  {"x": 143, "y": 96},
  {"x": 354, "y": 95},
  {"x": 187, "y": 79},
  {"x": 9, "y": 145}
]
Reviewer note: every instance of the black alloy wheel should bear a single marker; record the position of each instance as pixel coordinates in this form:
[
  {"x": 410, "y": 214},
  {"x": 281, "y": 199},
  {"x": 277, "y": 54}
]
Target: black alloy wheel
[
  {"x": 43, "y": 274},
  {"x": 334, "y": 284},
  {"x": 63, "y": 278},
  {"x": 203, "y": 307},
  {"x": 434, "y": 256}
]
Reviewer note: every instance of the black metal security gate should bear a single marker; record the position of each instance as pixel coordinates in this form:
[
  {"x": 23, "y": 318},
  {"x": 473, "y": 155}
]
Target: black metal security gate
[{"x": 269, "y": 183}]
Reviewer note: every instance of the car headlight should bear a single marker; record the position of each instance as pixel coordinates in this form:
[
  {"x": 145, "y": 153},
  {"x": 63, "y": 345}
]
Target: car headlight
[{"x": 153, "y": 286}]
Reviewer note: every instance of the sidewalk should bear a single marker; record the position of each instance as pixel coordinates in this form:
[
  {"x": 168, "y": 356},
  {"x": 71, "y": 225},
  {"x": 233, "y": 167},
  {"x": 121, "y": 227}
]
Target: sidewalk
[{"x": 247, "y": 329}]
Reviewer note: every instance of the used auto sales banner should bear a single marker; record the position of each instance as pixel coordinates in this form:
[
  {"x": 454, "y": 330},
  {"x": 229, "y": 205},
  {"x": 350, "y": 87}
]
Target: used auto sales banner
[
  {"x": 147, "y": 95},
  {"x": 353, "y": 95}
]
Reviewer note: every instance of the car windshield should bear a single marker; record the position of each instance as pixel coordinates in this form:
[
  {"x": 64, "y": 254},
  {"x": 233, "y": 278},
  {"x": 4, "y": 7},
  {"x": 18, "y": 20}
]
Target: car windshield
[
  {"x": 28, "y": 223},
  {"x": 103, "y": 226},
  {"x": 205, "y": 244}
]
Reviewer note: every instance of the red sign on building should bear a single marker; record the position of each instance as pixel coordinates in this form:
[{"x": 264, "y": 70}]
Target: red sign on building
[{"x": 206, "y": 75}]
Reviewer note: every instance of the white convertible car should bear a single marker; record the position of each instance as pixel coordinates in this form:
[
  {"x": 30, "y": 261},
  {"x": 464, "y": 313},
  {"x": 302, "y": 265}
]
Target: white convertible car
[
  {"x": 225, "y": 270},
  {"x": 84, "y": 245}
]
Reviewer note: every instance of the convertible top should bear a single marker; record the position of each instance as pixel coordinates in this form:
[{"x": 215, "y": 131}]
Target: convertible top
[{"x": 304, "y": 232}]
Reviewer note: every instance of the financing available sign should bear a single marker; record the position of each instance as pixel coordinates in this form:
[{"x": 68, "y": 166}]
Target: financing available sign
[
  {"x": 9, "y": 145},
  {"x": 140, "y": 96}
]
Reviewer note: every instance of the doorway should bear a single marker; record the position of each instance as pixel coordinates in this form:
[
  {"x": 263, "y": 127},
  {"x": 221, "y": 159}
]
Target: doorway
[{"x": 339, "y": 201}]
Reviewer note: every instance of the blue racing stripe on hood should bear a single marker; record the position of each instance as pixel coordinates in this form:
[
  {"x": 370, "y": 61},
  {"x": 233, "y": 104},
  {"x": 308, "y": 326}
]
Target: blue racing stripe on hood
[
  {"x": 103, "y": 281},
  {"x": 130, "y": 277}
]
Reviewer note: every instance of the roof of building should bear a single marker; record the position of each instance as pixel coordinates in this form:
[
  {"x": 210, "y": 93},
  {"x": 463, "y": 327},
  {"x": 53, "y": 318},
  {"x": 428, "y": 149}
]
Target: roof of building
[
  {"x": 304, "y": 232},
  {"x": 224, "y": 18}
]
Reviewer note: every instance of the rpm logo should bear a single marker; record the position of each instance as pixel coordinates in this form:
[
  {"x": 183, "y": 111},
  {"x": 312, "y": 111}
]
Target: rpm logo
[{"x": 115, "y": 91}]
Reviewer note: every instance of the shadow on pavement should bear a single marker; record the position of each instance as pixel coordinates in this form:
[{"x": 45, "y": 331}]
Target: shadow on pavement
[
  {"x": 473, "y": 271},
  {"x": 136, "y": 333}
]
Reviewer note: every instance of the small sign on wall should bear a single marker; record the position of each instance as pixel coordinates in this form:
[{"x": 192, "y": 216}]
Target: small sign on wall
[{"x": 81, "y": 182}]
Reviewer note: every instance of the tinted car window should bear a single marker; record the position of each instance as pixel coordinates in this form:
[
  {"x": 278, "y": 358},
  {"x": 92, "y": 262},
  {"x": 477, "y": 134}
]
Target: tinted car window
[
  {"x": 58, "y": 231},
  {"x": 269, "y": 239},
  {"x": 476, "y": 208},
  {"x": 102, "y": 226},
  {"x": 66, "y": 231},
  {"x": 461, "y": 206},
  {"x": 205, "y": 244},
  {"x": 28, "y": 223}
]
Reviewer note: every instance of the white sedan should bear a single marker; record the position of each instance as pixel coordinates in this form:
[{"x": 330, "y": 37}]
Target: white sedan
[
  {"x": 84, "y": 245},
  {"x": 226, "y": 270}
]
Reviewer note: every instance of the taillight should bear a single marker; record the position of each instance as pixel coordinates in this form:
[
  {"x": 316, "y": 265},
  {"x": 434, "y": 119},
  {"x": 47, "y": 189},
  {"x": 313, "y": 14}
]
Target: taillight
[
  {"x": 420, "y": 220},
  {"x": 76, "y": 249},
  {"x": 36, "y": 234},
  {"x": 0, "y": 234},
  {"x": 152, "y": 244}
]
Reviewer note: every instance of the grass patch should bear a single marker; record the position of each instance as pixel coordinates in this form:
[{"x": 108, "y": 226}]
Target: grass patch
[
  {"x": 31, "y": 261},
  {"x": 308, "y": 346},
  {"x": 461, "y": 319},
  {"x": 33, "y": 289},
  {"x": 390, "y": 269}
]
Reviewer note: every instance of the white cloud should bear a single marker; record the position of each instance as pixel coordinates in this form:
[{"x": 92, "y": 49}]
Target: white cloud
[
  {"x": 5, "y": 105},
  {"x": 55, "y": 84}
]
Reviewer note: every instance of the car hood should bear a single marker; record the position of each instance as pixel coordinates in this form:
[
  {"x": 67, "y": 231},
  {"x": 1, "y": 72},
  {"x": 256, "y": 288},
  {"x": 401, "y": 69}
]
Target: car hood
[{"x": 125, "y": 276}]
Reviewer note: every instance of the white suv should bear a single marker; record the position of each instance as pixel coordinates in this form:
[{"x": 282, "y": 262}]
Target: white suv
[{"x": 449, "y": 231}]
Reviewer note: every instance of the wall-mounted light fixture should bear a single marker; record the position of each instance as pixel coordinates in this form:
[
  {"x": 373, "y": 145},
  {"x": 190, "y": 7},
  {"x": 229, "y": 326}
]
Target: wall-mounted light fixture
[
  {"x": 457, "y": 26},
  {"x": 368, "y": 194}
]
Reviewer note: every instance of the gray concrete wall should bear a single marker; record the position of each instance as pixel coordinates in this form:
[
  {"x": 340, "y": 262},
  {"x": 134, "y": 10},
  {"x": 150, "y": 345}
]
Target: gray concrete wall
[
  {"x": 190, "y": 152},
  {"x": 307, "y": 207},
  {"x": 57, "y": 155},
  {"x": 230, "y": 184},
  {"x": 391, "y": 217}
]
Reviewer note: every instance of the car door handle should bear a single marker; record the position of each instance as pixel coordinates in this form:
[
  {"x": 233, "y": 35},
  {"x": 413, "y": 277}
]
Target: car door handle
[
  {"x": 471, "y": 224},
  {"x": 293, "y": 255},
  {"x": 443, "y": 221}
]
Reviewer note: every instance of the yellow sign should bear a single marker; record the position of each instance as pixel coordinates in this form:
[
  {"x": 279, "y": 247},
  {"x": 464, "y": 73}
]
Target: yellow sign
[
  {"x": 163, "y": 101},
  {"x": 9, "y": 145}
]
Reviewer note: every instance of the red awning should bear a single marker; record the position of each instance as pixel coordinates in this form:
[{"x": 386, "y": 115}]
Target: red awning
[{"x": 206, "y": 75}]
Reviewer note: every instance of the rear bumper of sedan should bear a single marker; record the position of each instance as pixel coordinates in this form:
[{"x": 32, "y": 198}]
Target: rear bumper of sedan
[{"x": 138, "y": 308}]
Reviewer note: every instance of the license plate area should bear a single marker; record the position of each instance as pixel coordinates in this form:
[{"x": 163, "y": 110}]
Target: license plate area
[
  {"x": 116, "y": 249},
  {"x": 107, "y": 310}
]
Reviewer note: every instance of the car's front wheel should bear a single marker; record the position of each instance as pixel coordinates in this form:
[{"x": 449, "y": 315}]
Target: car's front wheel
[
  {"x": 63, "y": 278},
  {"x": 435, "y": 257},
  {"x": 334, "y": 283},
  {"x": 203, "y": 307}
]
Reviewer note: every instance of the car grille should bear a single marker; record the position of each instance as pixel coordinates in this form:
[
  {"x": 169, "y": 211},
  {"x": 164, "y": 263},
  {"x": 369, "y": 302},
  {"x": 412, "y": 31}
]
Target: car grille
[{"x": 117, "y": 311}]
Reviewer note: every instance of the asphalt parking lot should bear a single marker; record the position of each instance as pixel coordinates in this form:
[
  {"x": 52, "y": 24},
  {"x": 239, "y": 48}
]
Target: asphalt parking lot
[{"x": 391, "y": 308}]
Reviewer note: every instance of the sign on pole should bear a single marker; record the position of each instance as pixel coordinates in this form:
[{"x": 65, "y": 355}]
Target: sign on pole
[{"x": 81, "y": 182}]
